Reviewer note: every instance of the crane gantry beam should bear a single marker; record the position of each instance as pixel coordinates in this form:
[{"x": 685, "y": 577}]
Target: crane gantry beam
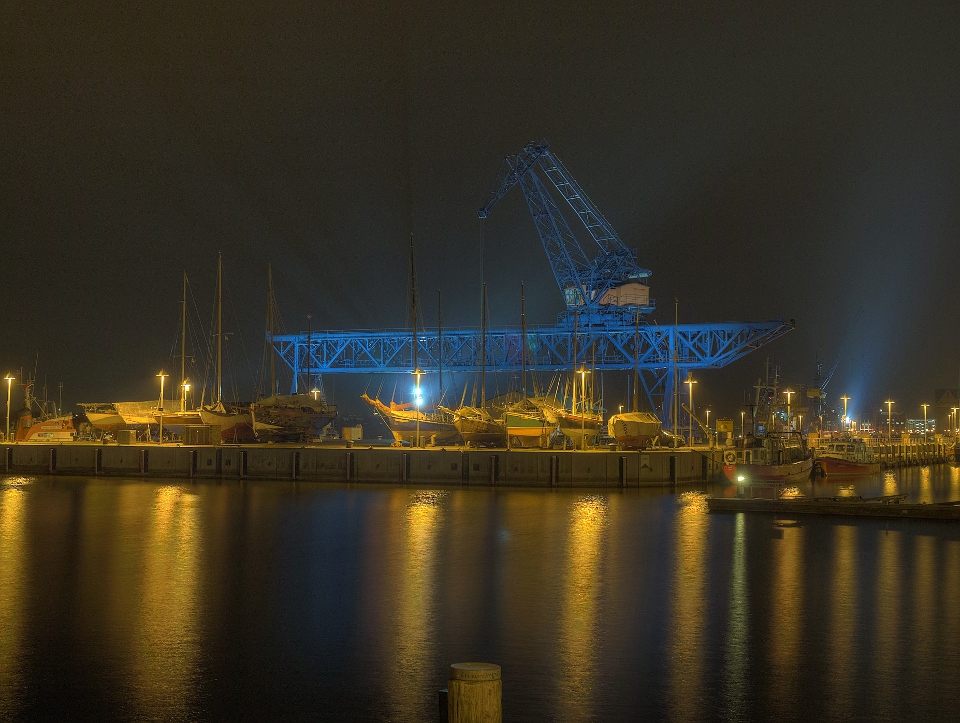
[{"x": 653, "y": 350}]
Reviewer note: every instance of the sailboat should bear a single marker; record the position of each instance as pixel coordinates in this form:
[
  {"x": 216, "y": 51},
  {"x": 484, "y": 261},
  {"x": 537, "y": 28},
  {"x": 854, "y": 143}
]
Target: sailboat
[
  {"x": 476, "y": 424},
  {"x": 174, "y": 419},
  {"x": 405, "y": 422},
  {"x": 235, "y": 425},
  {"x": 294, "y": 417},
  {"x": 526, "y": 423}
]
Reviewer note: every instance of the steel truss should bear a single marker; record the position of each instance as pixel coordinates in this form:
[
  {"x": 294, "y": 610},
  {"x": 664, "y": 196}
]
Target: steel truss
[{"x": 654, "y": 350}]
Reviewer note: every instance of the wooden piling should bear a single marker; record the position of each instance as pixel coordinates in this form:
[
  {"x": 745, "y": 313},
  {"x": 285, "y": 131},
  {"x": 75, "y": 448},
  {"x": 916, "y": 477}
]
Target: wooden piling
[{"x": 474, "y": 693}]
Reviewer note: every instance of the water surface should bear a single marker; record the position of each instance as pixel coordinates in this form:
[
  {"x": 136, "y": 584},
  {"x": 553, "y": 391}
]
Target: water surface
[{"x": 150, "y": 600}]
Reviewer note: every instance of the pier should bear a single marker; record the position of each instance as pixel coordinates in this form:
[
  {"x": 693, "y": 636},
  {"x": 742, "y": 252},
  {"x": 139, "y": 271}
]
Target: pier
[{"x": 433, "y": 465}]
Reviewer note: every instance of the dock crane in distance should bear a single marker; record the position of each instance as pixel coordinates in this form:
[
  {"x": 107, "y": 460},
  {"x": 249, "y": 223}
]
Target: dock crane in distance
[{"x": 606, "y": 289}]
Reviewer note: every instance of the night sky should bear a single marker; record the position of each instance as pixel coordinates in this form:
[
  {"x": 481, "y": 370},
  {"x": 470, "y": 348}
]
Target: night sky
[{"x": 766, "y": 162}]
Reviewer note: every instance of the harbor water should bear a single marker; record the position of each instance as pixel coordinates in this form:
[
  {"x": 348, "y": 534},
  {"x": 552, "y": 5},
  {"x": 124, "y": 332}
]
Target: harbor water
[{"x": 145, "y": 599}]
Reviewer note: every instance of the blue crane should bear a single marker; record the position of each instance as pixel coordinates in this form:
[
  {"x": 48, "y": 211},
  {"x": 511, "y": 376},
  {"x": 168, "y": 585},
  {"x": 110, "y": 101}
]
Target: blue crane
[
  {"x": 605, "y": 289},
  {"x": 603, "y": 324}
]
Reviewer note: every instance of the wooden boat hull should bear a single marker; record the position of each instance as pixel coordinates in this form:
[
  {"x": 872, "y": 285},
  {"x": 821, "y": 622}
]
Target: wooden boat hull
[
  {"x": 845, "y": 468},
  {"x": 791, "y": 471},
  {"x": 528, "y": 430},
  {"x": 480, "y": 432},
  {"x": 234, "y": 426}
]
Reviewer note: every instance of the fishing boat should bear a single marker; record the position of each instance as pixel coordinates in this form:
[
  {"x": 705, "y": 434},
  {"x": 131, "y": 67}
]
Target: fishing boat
[
  {"x": 235, "y": 423},
  {"x": 402, "y": 421},
  {"x": 845, "y": 457},
  {"x": 634, "y": 430},
  {"x": 48, "y": 427},
  {"x": 773, "y": 451},
  {"x": 770, "y": 458}
]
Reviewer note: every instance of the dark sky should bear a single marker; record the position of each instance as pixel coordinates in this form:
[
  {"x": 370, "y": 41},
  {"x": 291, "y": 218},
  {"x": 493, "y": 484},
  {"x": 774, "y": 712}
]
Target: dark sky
[{"x": 767, "y": 162}]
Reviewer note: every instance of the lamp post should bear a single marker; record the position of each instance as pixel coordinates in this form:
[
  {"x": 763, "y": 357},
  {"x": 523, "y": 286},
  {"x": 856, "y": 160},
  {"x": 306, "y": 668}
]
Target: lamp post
[
  {"x": 690, "y": 382},
  {"x": 789, "y": 393},
  {"x": 953, "y": 424},
  {"x": 889, "y": 423},
  {"x": 183, "y": 401},
  {"x": 418, "y": 372},
  {"x": 583, "y": 395},
  {"x": 743, "y": 416},
  {"x": 9, "y": 379},
  {"x": 924, "y": 422},
  {"x": 160, "y": 408},
  {"x": 845, "y": 399}
]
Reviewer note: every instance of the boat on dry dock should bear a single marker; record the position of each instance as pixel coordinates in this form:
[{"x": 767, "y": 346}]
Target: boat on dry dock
[
  {"x": 478, "y": 427},
  {"x": 634, "y": 430},
  {"x": 402, "y": 421},
  {"x": 291, "y": 417}
]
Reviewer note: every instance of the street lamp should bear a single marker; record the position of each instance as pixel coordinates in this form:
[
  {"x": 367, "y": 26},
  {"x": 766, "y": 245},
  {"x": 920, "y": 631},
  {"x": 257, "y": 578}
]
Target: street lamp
[
  {"x": 690, "y": 382},
  {"x": 183, "y": 401},
  {"x": 924, "y": 422},
  {"x": 743, "y": 416},
  {"x": 889, "y": 424},
  {"x": 9, "y": 379},
  {"x": 845, "y": 399},
  {"x": 160, "y": 408},
  {"x": 583, "y": 395},
  {"x": 418, "y": 372},
  {"x": 789, "y": 393},
  {"x": 953, "y": 425}
]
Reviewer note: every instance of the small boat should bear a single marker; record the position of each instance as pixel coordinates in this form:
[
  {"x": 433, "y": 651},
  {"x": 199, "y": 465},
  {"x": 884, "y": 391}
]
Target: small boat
[
  {"x": 582, "y": 428},
  {"x": 634, "y": 430},
  {"x": 845, "y": 457}
]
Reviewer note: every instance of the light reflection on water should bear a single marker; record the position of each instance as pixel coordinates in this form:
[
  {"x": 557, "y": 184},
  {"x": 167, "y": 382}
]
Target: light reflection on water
[
  {"x": 159, "y": 601},
  {"x": 13, "y": 599},
  {"x": 688, "y": 620},
  {"x": 579, "y": 614}
]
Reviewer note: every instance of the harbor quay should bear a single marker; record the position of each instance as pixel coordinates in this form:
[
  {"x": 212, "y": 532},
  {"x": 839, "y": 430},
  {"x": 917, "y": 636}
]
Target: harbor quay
[{"x": 437, "y": 465}]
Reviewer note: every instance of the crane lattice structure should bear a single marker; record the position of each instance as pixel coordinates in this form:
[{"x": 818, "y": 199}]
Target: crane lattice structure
[{"x": 604, "y": 324}]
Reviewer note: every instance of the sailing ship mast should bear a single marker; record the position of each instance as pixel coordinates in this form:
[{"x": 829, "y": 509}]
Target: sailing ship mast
[
  {"x": 271, "y": 313},
  {"x": 183, "y": 347},
  {"x": 217, "y": 401},
  {"x": 483, "y": 348}
]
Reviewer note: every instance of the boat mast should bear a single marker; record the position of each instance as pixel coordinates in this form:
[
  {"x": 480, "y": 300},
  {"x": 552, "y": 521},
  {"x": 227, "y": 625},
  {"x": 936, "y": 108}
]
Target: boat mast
[
  {"x": 573, "y": 388},
  {"x": 636, "y": 365},
  {"x": 219, "y": 327},
  {"x": 676, "y": 390},
  {"x": 183, "y": 346},
  {"x": 523, "y": 344},
  {"x": 413, "y": 305},
  {"x": 440, "y": 344},
  {"x": 271, "y": 313},
  {"x": 483, "y": 348}
]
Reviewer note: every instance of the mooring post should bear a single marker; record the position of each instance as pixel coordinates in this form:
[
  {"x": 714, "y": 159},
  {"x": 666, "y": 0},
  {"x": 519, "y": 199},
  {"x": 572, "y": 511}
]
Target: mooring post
[{"x": 474, "y": 693}]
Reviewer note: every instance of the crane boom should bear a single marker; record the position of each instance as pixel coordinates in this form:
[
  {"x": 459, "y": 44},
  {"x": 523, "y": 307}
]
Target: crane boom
[{"x": 606, "y": 288}]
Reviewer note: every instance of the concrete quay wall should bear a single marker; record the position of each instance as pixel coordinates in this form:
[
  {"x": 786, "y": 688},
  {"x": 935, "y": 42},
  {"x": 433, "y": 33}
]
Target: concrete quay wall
[{"x": 515, "y": 468}]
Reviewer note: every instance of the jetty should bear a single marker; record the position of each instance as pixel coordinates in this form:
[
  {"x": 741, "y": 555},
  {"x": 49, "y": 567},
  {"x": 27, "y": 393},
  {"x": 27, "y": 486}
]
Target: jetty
[
  {"x": 886, "y": 506},
  {"x": 358, "y": 463}
]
